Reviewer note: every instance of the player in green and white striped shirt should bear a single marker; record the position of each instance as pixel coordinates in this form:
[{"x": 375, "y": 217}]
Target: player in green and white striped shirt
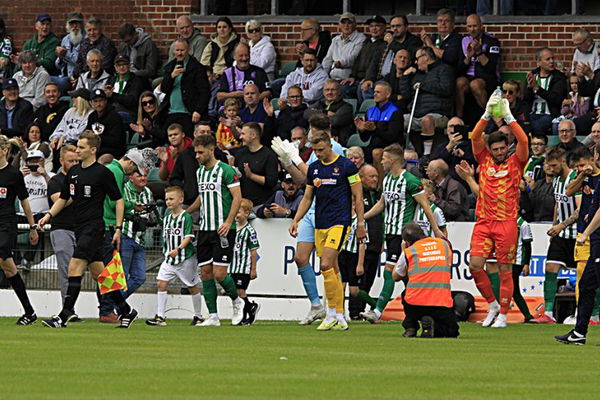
[
  {"x": 219, "y": 198},
  {"x": 438, "y": 214},
  {"x": 180, "y": 260},
  {"x": 561, "y": 251},
  {"x": 402, "y": 192},
  {"x": 245, "y": 256}
]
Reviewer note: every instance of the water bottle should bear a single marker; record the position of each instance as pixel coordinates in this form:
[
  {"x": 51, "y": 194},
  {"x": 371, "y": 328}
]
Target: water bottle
[
  {"x": 224, "y": 242},
  {"x": 497, "y": 108}
]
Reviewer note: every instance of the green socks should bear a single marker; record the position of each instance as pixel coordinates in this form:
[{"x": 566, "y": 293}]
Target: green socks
[
  {"x": 386, "y": 291},
  {"x": 229, "y": 285},
  {"x": 495, "y": 282},
  {"x": 596, "y": 308},
  {"x": 550, "y": 285},
  {"x": 364, "y": 296},
  {"x": 210, "y": 295}
]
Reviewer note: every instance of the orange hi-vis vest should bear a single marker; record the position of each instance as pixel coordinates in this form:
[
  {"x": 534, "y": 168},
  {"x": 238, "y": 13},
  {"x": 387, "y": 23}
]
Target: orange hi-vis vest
[{"x": 429, "y": 261}]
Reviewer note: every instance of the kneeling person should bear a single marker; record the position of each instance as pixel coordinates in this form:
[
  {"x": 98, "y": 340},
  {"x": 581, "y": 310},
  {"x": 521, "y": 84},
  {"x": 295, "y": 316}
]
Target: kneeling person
[
  {"x": 428, "y": 298},
  {"x": 180, "y": 257}
]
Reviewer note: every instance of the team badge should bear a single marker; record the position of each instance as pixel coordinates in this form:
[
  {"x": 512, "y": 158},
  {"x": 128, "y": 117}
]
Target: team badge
[
  {"x": 87, "y": 191},
  {"x": 317, "y": 182},
  {"x": 3, "y": 192}
]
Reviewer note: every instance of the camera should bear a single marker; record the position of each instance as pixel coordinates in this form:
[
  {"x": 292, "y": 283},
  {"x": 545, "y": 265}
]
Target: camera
[
  {"x": 146, "y": 218},
  {"x": 33, "y": 167}
]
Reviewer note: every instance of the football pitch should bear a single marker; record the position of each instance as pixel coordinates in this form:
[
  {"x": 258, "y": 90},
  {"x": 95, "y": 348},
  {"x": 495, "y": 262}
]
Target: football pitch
[{"x": 281, "y": 360}]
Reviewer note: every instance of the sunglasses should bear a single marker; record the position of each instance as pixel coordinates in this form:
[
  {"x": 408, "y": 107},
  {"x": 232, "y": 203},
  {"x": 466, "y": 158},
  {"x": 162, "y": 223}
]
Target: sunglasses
[
  {"x": 508, "y": 91},
  {"x": 148, "y": 103},
  {"x": 255, "y": 30}
]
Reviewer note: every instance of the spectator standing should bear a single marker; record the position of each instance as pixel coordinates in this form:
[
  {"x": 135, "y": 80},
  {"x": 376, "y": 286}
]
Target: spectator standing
[
  {"x": 258, "y": 165},
  {"x": 340, "y": 112},
  {"x": 310, "y": 77},
  {"x": 262, "y": 51},
  {"x": 197, "y": 42},
  {"x": 141, "y": 51},
  {"x": 478, "y": 67},
  {"x": 284, "y": 202},
  {"x": 95, "y": 40},
  {"x": 44, "y": 43},
  {"x": 186, "y": 89},
  {"x": 96, "y": 77},
  {"x": 446, "y": 41},
  {"x": 177, "y": 143},
  {"x": 450, "y": 195},
  {"x": 32, "y": 78},
  {"x": 49, "y": 115},
  {"x": 435, "y": 82},
  {"x": 68, "y": 51},
  {"x": 15, "y": 112},
  {"x": 106, "y": 122},
  {"x": 546, "y": 89},
  {"x": 344, "y": 48}
]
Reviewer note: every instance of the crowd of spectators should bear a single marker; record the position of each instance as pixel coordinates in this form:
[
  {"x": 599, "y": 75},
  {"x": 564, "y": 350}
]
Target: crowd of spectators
[{"x": 390, "y": 85}]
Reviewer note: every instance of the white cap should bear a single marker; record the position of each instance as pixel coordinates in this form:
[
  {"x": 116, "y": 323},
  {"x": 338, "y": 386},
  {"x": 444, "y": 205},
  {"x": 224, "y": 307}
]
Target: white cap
[
  {"x": 137, "y": 158},
  {"x": 34, "y": 154}
]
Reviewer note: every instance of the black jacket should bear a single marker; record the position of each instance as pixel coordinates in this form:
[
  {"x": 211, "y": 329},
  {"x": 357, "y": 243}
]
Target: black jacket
[
  {"x": 262, "y": 162},
  {"x": 184, "y": 173},
  {"x": 128, "y": 100},
  {"x": 436, "y": 92},
  {"x": 107, "y": 48},
  {"x": 490, "y": 46},
  {"x": 375, "y": 224},
  {"x": 322, "y": 46},
  {"x": 49, "y": 117},
  {"x": 195, "y": 89},
  {"x": 342, "y": 122},
  {"x": 21, "y": 117},
  {"x": 389, "y": 126},
  {"x": 288, "y": 119},
  {"x": 451, "y": 47},
  {"x": 556, "y": 93},
  {"x": 441, "y": 152},
  {"x": 109, "y": 126},
  {"x": 411, "y": 43},
  {"x": 369, "y": 51}
]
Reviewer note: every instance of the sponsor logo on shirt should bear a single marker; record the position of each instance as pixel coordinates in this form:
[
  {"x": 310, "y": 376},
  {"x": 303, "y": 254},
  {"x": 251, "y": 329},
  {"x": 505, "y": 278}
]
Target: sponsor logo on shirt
[
  {"x": 327, "y": 181},
  {"x": 3, "y": 192},
  {"x": 87, "y": 191},
  {"x": 392, "y": 196},
  {"x": 72, "y": 189},
  {"x": 173, "y": 231},
  {"x": 207, "y": 187},
  {"x": 491, "y": 171},
  {"x": 588, "y": 190}
]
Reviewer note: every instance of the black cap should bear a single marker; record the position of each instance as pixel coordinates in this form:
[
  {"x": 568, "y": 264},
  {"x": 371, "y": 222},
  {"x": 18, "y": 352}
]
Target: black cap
[
  {"x": 122, "y": 58},
  {"x": 81, "y": 92},
  {"x": 74, "y": 17},
  {"x": 43, "y": 17},
  {"x": 98, "y": 94},
  {"x": 9, "y": 83},
  {"x": 376, "y": 18}
]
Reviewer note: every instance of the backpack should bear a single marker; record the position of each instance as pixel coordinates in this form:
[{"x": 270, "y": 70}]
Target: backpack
[{"x": 464, "y": 304}]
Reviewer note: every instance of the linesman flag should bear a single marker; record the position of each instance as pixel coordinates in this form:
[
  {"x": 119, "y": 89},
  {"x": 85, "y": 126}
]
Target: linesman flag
[{"x": 112, "y": 276}]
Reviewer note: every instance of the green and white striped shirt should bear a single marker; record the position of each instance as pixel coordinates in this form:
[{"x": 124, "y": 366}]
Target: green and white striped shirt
[
  {"x": 423, "y": 222},
  {"x": 144, "y": 197},
  {"x": 215, "y": 197},
  {"x": 565, "y": 205},
  {"x": 524, "y": 235},
  {"x": 351, "y": 244},
  {"x": 398, "y": 194},
  {"x": 175, "y": 229},
  {"x": 245, "y": 241},
  {"x": 540, "y": 105}
]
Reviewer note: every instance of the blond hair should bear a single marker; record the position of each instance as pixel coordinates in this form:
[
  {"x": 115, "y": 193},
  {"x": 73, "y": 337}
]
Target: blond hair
[
  {"x": 246, "y": 205},
  {"x": 177, "y": 189}
]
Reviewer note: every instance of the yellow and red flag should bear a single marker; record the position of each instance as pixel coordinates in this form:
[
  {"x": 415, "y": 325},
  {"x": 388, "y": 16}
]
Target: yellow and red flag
[{"x": 112, "y": 276}]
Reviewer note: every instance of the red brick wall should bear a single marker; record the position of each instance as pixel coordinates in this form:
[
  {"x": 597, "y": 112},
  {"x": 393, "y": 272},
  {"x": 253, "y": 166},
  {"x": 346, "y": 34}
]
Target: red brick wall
[{"x": 157, "y": 17}]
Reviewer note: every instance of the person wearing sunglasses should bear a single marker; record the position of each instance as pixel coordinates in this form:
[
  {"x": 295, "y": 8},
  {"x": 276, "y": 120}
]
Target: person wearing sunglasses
[
  {"x": 511, "y": 91},
  {"x": 146, "y": 125},
  {"x": 262, "y": 51}
]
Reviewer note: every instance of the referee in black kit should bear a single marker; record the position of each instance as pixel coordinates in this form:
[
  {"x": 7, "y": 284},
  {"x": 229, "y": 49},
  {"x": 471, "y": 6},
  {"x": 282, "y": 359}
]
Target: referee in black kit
[
  {"x": 12, "y": 185},
  {"x": 87, "y": 184}
]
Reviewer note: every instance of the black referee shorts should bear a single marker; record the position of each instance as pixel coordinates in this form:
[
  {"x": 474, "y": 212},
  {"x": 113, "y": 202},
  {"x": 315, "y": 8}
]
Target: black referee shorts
[
  {"x": 89, "y": 241},
  {"x": 242, "y": 281},
  {"x": 393, "y": 245},
  {"x": 562, "y": 251},
  {"x": 8, "y": 240},
  {"x": 214, "y": 249},
  {"x": 347, "y": 262}
]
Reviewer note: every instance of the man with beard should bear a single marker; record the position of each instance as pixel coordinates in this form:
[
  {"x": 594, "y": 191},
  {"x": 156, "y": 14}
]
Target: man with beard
[{"x": 68, "y": 51}]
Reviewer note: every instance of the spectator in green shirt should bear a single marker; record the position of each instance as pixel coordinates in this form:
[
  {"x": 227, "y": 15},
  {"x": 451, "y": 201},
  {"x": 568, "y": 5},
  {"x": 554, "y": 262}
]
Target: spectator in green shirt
[{"x": 44, "y": 44}]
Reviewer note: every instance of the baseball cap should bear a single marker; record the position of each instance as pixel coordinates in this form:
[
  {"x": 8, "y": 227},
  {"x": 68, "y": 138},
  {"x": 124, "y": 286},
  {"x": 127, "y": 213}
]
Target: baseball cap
[
  {"x": 122, "y": 58},
  {"x": 81, "y": 92},
  {"x": 98, "y": 93},
  {"x": 137, "y": 158},
  {"x": 34, "y": 154},
  {"x": 347, "y": 15},
  {"x": 43, "y": 17},
  {"x": 10, "y": 83},
  {"x": 376, "y": 18},
  {"x": 74, "y": 16}
]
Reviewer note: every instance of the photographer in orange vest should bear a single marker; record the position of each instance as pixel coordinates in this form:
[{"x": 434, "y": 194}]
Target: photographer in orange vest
[{"x": 427, "y": 298}]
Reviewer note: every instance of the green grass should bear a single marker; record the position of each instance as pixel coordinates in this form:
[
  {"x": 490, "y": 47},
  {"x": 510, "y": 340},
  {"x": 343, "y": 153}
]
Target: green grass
[{"x": 273, "y": 360}]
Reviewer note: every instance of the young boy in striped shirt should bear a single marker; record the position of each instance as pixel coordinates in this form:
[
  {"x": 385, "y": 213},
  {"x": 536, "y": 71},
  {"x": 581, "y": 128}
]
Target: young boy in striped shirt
[
  {"x": 180, "y": 258},
  {"x": 438, "y": 214},
  {"x": 243, "y": 265}
]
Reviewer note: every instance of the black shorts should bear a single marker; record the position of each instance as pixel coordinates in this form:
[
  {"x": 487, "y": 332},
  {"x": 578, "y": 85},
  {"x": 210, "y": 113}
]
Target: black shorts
[
  {"x": 89, "y": 242},
  {"x": 562, "y": 251},
  {"x": 214, "y": 249},
  {"x": 241, "y": 280},
  {"x": 347, "y": 262},
  {"x": 393, "y": 245},
  {"x": 8, "y": 240}
]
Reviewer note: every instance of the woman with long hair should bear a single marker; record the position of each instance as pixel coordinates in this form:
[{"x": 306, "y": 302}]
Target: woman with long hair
[
  {"x": 147, "y": 126},
  {"x": 73, "y": 123},
  {"x": 32, "y": 140}
]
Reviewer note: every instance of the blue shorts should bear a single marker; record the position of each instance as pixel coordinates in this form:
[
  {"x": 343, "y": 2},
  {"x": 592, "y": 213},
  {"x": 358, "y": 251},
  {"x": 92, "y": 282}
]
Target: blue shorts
[{"x": 306, "y": 229}]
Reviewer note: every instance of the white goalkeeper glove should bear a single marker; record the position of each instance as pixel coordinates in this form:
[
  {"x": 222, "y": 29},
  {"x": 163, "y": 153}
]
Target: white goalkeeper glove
[
  {"x": 277, "y": 146},
  {"x": 493, "y": 100},
  {"x": 506, "y": 113},
  {"x": 292, "y": 152}
]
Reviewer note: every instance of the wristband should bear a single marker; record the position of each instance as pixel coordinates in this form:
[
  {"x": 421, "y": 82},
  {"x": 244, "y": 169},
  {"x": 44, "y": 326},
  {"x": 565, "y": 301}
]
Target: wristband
[
  {"x": 119, "y": 227},
  {"x": 33, "y": 227},
  {"x": 50, "y": 214}
]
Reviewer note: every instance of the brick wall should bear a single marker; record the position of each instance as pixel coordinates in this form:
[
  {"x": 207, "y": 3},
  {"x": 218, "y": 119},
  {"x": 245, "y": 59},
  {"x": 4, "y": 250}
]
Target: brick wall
[{"x": 519, "y": 41}]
